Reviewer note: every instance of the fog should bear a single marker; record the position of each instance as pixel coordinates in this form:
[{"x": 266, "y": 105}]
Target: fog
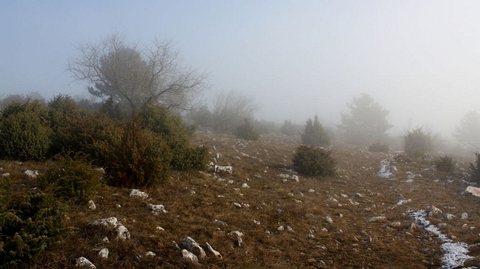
[{"x": 417, "y": 59}]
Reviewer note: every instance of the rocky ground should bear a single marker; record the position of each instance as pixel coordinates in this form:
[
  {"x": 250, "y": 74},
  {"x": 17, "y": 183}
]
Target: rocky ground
[{"x": 263, "y": 215}]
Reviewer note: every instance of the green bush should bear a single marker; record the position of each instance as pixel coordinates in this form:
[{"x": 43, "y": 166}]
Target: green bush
[
  {"x": 445, "y": 164},
  {"x": 171, "y": 129},
  {"x": 378, "y": 147},
  {"x": 417, "y": 143},
  {"x": 247, "y": 131},
  {"x": 315, "y": 134},
  {"x": 24, "y": 132},
  {"x": 139, "y": 158},
  {"x": 474, "y": 169},
  {"x": 72, "y": 180},
  {"x": 30, "y": 224},
  {"x": 313, "y": 161}
]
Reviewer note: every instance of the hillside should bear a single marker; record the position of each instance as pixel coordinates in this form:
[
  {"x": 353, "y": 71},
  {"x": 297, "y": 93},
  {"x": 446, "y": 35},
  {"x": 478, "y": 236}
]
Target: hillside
[{"x": 261, "y": 216}]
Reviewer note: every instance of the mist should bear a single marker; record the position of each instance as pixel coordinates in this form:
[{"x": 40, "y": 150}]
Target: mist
[{"x": 417, "y": 59}]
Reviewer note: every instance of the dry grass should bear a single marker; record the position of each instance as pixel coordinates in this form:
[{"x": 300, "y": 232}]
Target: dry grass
[{"x": 194, "y": 200}]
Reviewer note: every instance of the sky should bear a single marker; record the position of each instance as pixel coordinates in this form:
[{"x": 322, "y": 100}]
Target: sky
[{"x": 420, "y": 60}]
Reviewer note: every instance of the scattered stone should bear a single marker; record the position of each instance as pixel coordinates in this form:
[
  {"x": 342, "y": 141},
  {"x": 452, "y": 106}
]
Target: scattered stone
[
  {"x": 138, "y": 194},
  {"x": 377, "y": 218},
  {"x": 226, "y": 169},
  {"x": 289, "y": 229},
  {"x": 92, "y": 205},
  {"x": 245, "y": 186},
  {"x": 464, "y": 215},
  {"x": 122, "y": 232},
  {"x": 449, "y": 216},
  {"x": 344, "y": 195},
  {"x": 473, "y": 190},
  {"x": 404, "y": 201},
  {"x": 396, "y": 224},
  {"x": 31, "y": 173},
  {"x": 281, "y": 228},
  {"x": 157, "y": 209},
  {"x": 238, "y": 237},
  {"x": 191, "y": 245},
  {"x": 223, "y": 223},
  {"x": 150, "y": 254},
  {"x": 237, "y": 205},
  {"x": 105, "y": 240},
  {"x": 256, "y": 222},
  {"x": 311, "y": 190},
  {"x": 84, "y": 262},
  {"x": 431, "y": 210},
  {"x": 103, "y": 253},
  {"x": 111, "y": 222},
  {"x": 189, "y": 256},
  {"x": 329, "y": 219},
  {"x": 214, "y": 252},
  {"x": 5, "y": 174}
]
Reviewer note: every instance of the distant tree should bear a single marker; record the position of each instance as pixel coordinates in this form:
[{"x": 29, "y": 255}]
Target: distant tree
[
  {"x": 289, "y": 128},
  {"x": 366, "y": 122},
  {"x": 230, "y": 109},
  {"x": 315, "y": 133},
  {"x": 135, "y": 77},
  {"x": 468, "y": 132},
  {"x": 201, "y": 116}
]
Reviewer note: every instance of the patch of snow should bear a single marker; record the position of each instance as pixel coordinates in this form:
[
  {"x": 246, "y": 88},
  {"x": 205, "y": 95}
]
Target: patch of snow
[
  {"x": 455, "y": 254},
  {"x": 220, "y": 168},
  {"x": 473, "y": 190},
  {"x": 386, "y": 168}
]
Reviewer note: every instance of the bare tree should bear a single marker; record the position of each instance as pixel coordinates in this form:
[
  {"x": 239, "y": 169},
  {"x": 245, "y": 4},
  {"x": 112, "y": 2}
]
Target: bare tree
[
  {"x": 230, "y": 109},
  {"x": 135, "y": 77}
]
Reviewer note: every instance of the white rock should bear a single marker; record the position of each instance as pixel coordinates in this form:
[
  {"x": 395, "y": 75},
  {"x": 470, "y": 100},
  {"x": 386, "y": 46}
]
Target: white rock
[
  {"x": 237, "y": 205},
  {"x": 256, "y": 222},
  {"x": 5, "y": 174},
  {"x": 245, "y": 186},
  {"x": 190, "y": 244},
  {"x": 433, "y": 210},
  {"x": 473, "y": 190},
  {"x": 105, "y": 240},
  {"x": 227, "y": 169},
  {"x": 157, "y": 209},
  {"x": 122, "y": 232},
  {"x": 111, "y": 222},
  {"x": 329, "y": 219},
  {"x": 449, "y": 216},
  {"x": 464, "y": 215},
  {"x": 377, "y": 218},
  {"x": 31, "y": 173},
  {"x": 238, "y": 237},
  {"x": 150, "y": 254},
  {"x": 92, "y": 205},
  {"x": 138, "y": 193},
  {"x": 281, "y": 228},
  {"x": 188, "y": 256},
  {"x": 295, "y": 177},
  {"x": 311, "y": 190},
  {"x": 289, "y": 229},
  {"x": 103, "y": 253},
  {"x": 84, "y": 262},
  {"x": 214, "y": 252},
  {"x": 159, "y": 228}
]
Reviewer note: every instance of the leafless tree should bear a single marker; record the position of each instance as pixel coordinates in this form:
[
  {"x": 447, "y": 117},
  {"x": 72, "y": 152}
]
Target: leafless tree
[
  {"x": 230, "y": 109},
  {"x": 126, "y": 74}
]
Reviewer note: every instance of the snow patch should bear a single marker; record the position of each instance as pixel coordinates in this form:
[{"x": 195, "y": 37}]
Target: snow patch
[{"x": 455, "y": 254}]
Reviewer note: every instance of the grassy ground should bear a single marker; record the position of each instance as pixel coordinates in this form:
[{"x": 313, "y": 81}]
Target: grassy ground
[{"x": 332, "y": 220}]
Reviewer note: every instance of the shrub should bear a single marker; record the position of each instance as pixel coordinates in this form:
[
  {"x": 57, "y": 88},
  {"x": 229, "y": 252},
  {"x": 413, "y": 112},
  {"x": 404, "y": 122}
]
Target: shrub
[
  {"x": 247, "y": 131},
  {"x": 170, "y": 128},
  {"x": 378, "y": 147},
  {"x": 474, "y": 169},
  {"x": 71, "y": 180},
  {"x": 313, "y": 161},
  {"x": 315, "y": 134},
  {"x": 30, "y": 224},
  {"x": 417, "y": 143},
  {"x": 445, "y": 164},
  {"x": 24, "y": 132},
  {"x": 139, "y": 158}
]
